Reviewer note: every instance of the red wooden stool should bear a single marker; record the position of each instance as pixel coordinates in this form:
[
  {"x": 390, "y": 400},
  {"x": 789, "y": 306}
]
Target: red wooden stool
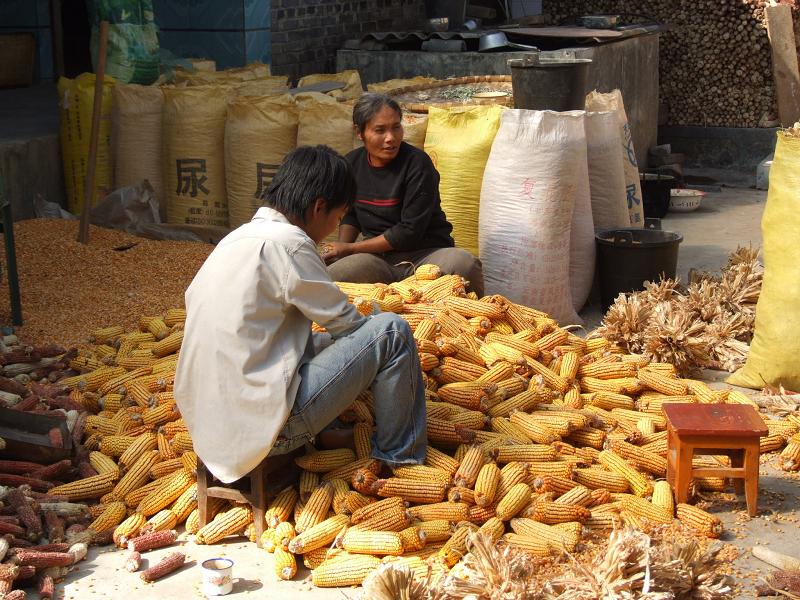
[
  {"x": 728, "y": 429},
  {"x": 252, "y": 489}
]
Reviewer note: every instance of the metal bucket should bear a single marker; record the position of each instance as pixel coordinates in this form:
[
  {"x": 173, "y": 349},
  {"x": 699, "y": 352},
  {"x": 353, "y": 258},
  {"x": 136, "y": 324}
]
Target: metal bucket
[{"x": 549, "y": 83}]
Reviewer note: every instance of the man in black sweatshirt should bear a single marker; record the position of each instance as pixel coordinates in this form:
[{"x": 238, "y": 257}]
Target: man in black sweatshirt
[{"x": 397, "y": 207}]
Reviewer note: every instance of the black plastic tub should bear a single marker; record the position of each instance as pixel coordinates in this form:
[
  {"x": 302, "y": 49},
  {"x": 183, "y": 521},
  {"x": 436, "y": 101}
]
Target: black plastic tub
[
  {"x": 626, "y": 258},
  {"x": 655, "y": 193},
  {"x": 549, "y": 83}
]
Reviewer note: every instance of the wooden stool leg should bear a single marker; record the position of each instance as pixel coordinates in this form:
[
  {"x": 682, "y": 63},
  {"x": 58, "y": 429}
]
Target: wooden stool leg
[
  {"x": 258, "y": 502},
  {"x": 751, "y": 465},
  {"x": 683, "y": 470},
  {"x": 202, "y": 493},
  {"x": 737, "y": 462}
]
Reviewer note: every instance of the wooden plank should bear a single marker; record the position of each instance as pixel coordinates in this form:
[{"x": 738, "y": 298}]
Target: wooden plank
[{"x": 784, "y": 63}]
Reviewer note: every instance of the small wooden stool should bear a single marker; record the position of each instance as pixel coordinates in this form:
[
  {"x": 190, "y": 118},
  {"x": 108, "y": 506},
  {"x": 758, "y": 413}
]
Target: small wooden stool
[
  {"x": 254, "y": 492},
  {"x": 730, "y": 429}
]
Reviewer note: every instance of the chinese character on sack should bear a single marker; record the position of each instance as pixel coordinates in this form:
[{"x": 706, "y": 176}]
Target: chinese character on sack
[
  {"x": 632, "y": 199},
  {"x": 188, "y": 181},
  {"x": 527, "y": 188},
  {"x": 628, "y": 143},
  {"x": 264, "y": 174}
]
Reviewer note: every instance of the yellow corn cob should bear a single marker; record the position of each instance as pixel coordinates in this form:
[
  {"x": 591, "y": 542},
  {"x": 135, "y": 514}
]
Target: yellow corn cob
[
  {"x": 231, "y": 522},
  {"x": 134, "y": 497},
  {"x": 472, "y": 419},
  {"x": 453, "y": 370},
  {"x": 427, "y": 272},
  {"x": 451, "y": 511},
  {"x": 533, "y": 545},
  {"x": 285, "y": 564},
  {"x": 524, "y": 402},
  {"x": 468, "y": 394},
  {"x": 380, "y": 543},
  {"x": 163, "y": 520},
  {"x": 554, "y": 512},
  {"x": 461, "y": 494},
  {"x": 578, "y": 495},
  {"x": 660, "y": 382},
  {"x": 318, "y": 536},
  {"x": 88, "y": 487},
  {"x": 173, "y": 316},
  {"x": 525, "y": 453},
  {"x": 506, "y": 428},
  {"x": 362, "y": 436},
  {"x": 737, "y": 397},
  {"x": 316, "y": 509},
  {"x": 387, "y": 506},
  {"x": 555, "y": 539},
  {"x": 166, "y": 494},
  {"x": 413, "y": 539},
  {"x": 344, "y": 570},
  {"x": 611, "y": 400},
  {"x": 324, "y": 461},
  {"x": 435, "y": 530},
  {"x": 112, "y": 515},
  {"x": 426, "y": 330},
  {"x": 127, "y": 529},
  {"x": 662, "y": 496},
  {"x": 647, "y": 461},
  {"x": 143, "y": 443},
  {"x": 423, "y": 473},
  {"x": 283, "y": 534},
  {"x": 552, "y": 483},
  {"x": 646, "y": 426},
  {"x": 510, "y": 475},
  {"x": 138, "y": 474},
  {"x": 309, "y": 481},
  {"x": 428, "y": 361},
  {"x": 474, "y": 308},
  {"x": 497, "y": 373},
  {"x": 550, "y": 378},
  {"x": 387, "y": 521},
  {"x": 158, "y": 415},
  {"x": 165, "y": 467},
  {"x": 439, "y": 460},
  {"x": 596, "y": 479},
  {"x": 168, "y": 345},
  {"x": 185, "y": 503},
  {"x": 346, "y": 472},
  {"x": 514, "y": 501},
  {"x": 641, "y": 508},
  {"x": 486, "y": 484},
  {"x": 608, "y": 370},
  {"x": 410, "y": 490},
  {"x": 469, "y": 468},
  {"x": 639, "y": 484},
  {"x": 790, "y": 456},
  {"x": 102, "y": 463},
  {"x": 536, "y": 430},
  {"x": 364, "y": 481}
]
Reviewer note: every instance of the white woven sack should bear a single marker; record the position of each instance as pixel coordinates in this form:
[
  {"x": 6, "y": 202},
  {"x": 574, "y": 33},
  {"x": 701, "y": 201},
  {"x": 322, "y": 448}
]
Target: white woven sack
[
  {"x": 606, "y": 172},
  {"x": 530, "y": 188},
  {"x": 581, "y": 240}
]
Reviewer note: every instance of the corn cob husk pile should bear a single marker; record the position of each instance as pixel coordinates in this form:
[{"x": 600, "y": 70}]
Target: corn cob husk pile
[
  {"x": 633, "y": 565},
  {"x": 535, "y": 436},
  {"x": 710, "y": 324}
]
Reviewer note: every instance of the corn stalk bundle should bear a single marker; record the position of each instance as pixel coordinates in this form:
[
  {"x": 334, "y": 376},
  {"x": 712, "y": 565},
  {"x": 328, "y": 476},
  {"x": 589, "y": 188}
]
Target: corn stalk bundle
[{"x": 709, "y": 324}]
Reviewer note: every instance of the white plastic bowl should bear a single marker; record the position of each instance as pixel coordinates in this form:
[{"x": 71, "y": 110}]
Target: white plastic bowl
[{"x": 685, "y": 200}]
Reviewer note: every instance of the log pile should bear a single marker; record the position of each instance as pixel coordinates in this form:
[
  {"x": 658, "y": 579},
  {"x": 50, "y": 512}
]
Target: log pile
[{"x": 715, "y": 66}]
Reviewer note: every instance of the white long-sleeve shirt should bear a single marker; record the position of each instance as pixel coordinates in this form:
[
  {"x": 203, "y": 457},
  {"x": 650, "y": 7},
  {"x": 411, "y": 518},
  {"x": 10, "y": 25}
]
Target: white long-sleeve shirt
[{"x": 248, "y": 324}]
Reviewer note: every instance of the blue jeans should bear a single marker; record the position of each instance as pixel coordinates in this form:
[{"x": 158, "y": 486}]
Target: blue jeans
[{"x": 380, "y": 354}]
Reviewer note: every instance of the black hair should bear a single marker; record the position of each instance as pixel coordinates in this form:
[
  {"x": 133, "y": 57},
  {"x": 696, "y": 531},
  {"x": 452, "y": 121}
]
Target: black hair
[
  {"x": 369, "y": 105},
  {"x": 308, "y": 173}
]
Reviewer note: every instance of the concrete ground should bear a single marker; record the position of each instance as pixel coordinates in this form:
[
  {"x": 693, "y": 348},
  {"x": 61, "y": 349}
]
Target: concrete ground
[{"x": 726, "y": 219}]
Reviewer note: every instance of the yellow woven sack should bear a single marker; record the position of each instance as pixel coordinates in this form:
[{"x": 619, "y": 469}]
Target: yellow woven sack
[
  {"x": 259, "y": 133},
  {"x": 194, "y": 155},
  {"x": 458, "y": 141},
  {"x": 136, "y": 137},
  {"x": 326, "y": 121},
  {"x": 415, "y": 125},
  {"x": 393, "y": 84},
  {"x": 351, "y": 79},
  {"x": 774, "y": 357},
  {"x": 274, "y": 85},
  {"x": 238, "y": 74},
  {"x": 76, "y": 102}
]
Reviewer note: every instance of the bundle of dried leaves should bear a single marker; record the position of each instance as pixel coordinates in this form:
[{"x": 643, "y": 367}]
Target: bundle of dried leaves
[
  {"x": 709, "y": 324},
  {"x": 632, "y": 567}
]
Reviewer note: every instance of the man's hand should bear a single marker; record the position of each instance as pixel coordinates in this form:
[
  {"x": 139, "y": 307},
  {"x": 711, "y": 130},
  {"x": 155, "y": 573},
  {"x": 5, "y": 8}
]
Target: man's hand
[{"x": 333, "y": 251}]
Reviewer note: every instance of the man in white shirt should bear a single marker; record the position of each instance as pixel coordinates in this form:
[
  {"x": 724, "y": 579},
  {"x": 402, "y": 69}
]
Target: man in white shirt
[{"x": 248, "y": 381}]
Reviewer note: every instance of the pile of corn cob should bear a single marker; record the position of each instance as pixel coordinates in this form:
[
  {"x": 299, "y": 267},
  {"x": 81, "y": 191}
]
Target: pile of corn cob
[{"x": 536, "y": 436}]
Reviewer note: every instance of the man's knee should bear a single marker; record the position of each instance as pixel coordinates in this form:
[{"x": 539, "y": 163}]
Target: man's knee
[
  {"x": 460, "y": 262},
  {"x": 390, "y": 321},
  {"x": 360, "y": 268}
]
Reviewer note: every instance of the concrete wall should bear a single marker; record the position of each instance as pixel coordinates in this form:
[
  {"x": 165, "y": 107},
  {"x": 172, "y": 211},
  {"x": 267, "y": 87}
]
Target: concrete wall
[
  {"x": 307, "y": 33},
  {"x": 630, "y": 65}
]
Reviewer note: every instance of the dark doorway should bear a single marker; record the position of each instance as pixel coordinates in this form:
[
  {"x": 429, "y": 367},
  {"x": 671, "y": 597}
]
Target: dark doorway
[{"x": 76, "y": 37}]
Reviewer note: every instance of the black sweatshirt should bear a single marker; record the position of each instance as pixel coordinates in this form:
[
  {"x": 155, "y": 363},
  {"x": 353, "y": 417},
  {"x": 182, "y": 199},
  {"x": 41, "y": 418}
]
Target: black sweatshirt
[{"x": 400, "y": 201}]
